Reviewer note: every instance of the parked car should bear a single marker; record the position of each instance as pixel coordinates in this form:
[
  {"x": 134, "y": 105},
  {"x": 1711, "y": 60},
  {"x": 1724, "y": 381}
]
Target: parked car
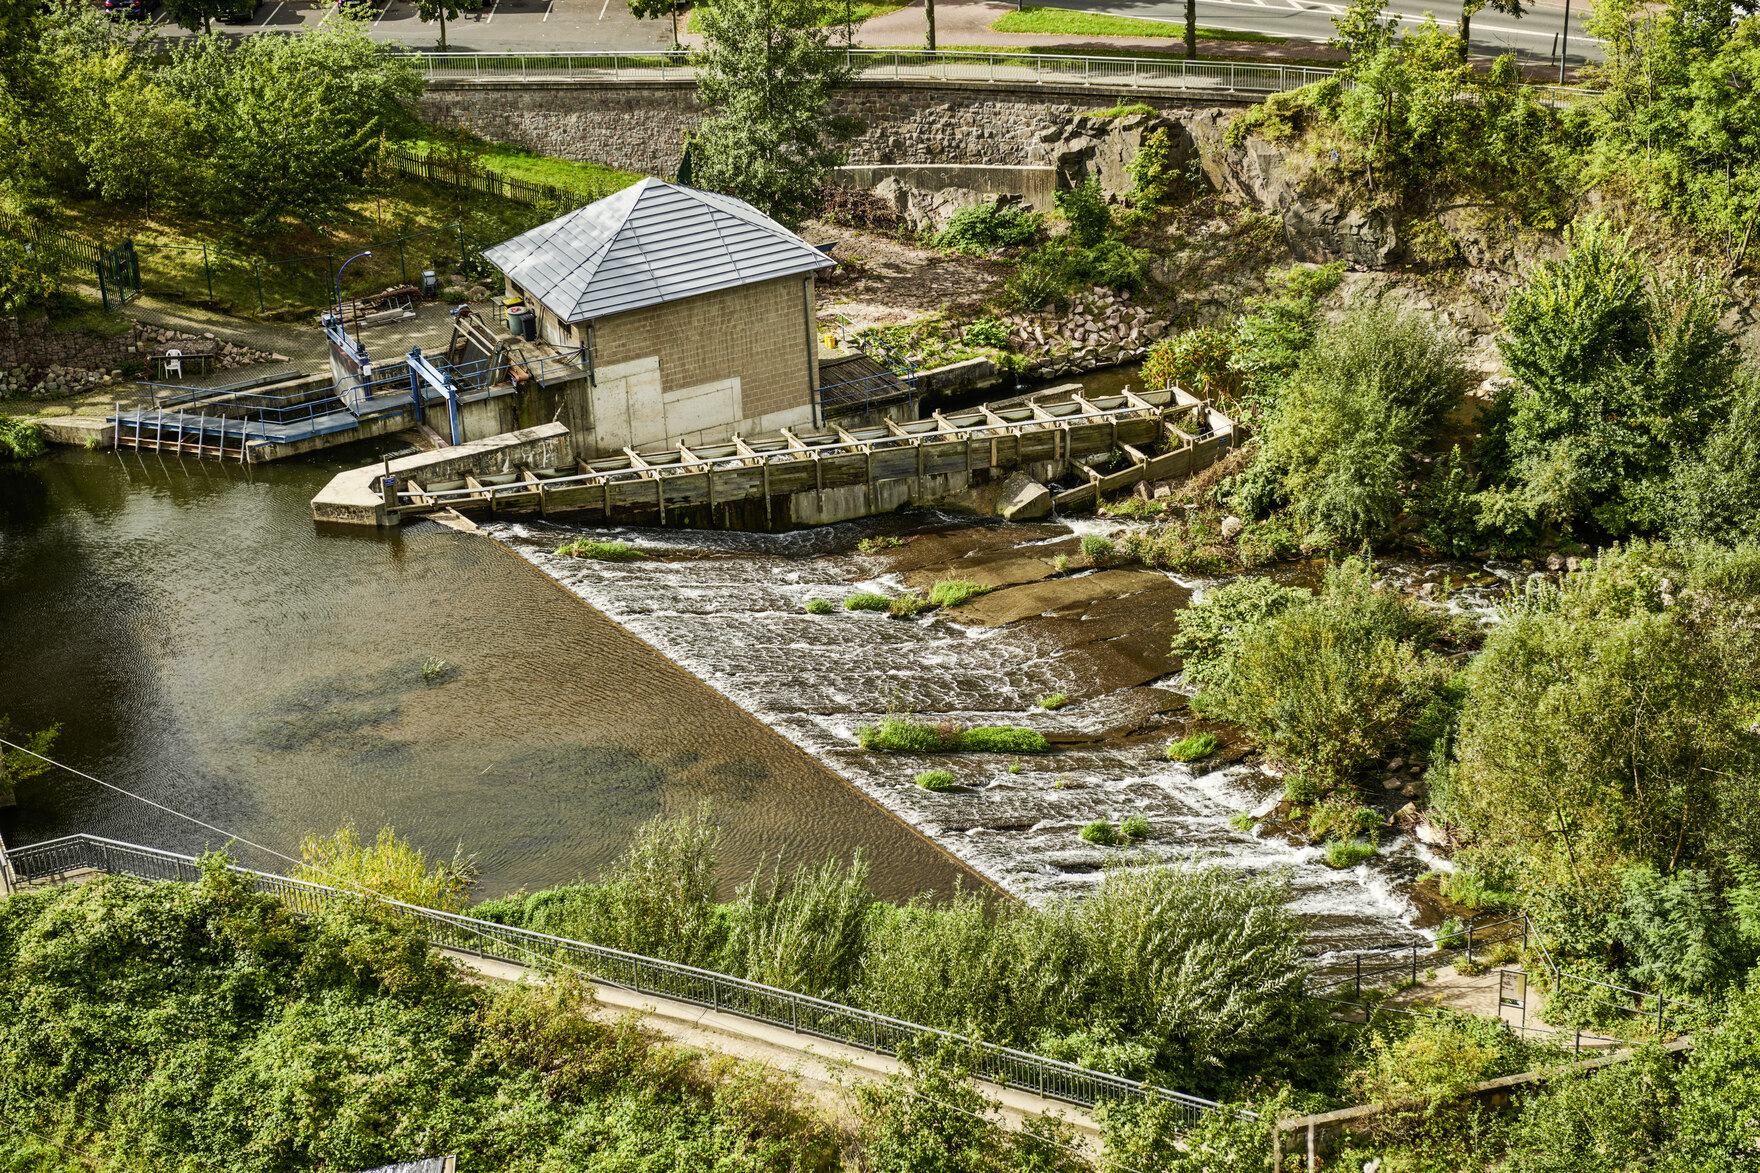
[
  {"x": 239, "y": 11},
  {"x": 130, "y": 9}
]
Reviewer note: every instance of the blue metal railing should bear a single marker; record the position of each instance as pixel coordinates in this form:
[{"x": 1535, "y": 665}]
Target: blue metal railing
[{"x": 1049, "y": 1078}]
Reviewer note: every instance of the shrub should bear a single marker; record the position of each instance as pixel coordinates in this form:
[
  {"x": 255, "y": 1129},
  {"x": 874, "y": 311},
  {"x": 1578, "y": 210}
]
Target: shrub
[
  {"x": 951, "y": 592},
  {"x": 986, "y": 332},
  {"x": 390, "y": 866},
  {"x": 991, "y": 225},
  {"x": 1055, "y": 700},
  {"x": 1343, "y": 853},
  {"x": 879, "y": 542},
  {"x": 1211, "y": 630},
  {"x": 937, "y": 780},
  {"x": 1058, "y": 268},
  {"x": 1192, "y": 749},
  {"x": 1101, "y": 833},
  {"x": 1084, "y": 206},
  {"x": 1197, "y": 361},
  {"x": 1329, "y": 684},
  {"x": 1003, "y": 739},
  {"x": 599, "y": 550},
  {"x": 1441, "y": 1055},
  {"x": 867, "y": 601},
  {"x": 819, "y": 607},
  {"x": 1098, "y": 550},
  {"x": 21, "y": 439},
  {"x": 908, "y": 605},
  {"x": 1135, "y": 827}
]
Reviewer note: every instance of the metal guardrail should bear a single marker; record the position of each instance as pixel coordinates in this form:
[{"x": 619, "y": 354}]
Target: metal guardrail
[
  {"x": 896, "y": 65},
  {"x": 798, "y": 1012},
  {"x": 923, "y": 65}
]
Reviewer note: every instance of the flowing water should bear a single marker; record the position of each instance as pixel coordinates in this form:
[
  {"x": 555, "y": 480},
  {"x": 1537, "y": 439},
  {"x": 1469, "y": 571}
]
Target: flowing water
[
  {"x": 730, "y": 607},
  {"x": 200, "y": 643}
]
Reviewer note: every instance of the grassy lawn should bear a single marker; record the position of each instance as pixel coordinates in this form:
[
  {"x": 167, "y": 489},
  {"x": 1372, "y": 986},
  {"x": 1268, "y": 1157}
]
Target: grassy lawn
[
  {"x": 1097, "y": 24},
  {"x": 174, "y": 264},
  {"x": 832, "y": 14},
  {"x": 519, "y": 163},
  {"x": 1146, "y": 54}
]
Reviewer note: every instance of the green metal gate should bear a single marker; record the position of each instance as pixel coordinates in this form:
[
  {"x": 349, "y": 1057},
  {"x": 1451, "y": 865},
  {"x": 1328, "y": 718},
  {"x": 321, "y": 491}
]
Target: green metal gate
[{"x": 119, "y": 275}]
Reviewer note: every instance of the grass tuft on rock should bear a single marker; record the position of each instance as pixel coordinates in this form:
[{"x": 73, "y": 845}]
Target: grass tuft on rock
[
  {"x": 1348, "y": 853},
  {"x": 937, "y": 780},
  {"x": 877, "y": 543},
  {"x": 896, "y": 733},
  {"x": 1135, "y": 827},
  {"x": 1002, "y": 739},
  {"x": 819, "y": 607},
  {"x": 1055, "y": 700},
  {"x": 1195, "y": 748},
  {"x": 951, "y": 592},
  {"x": 1101, "y": 834},
  {"x": 600, "y": 550},
  {"x": 908, "y": 606},
  {"x": 867, "y": 601}
]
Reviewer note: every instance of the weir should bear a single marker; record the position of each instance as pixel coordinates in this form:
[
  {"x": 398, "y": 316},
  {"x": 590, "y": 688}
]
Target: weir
[{"x": 800, "y": 477}]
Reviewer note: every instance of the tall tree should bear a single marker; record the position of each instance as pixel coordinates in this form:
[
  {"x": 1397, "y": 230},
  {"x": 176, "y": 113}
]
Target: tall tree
[
  {"x": 443, "y": 11},
  {"x": 929, "y": 15},
  {"x": 767, "y": 81},
  {"x": 195, "y": 14},
  {"x": 654, "y": 10},
  {"x": 1470, "y": 8},
  {"x": 1191, "y": 29}
]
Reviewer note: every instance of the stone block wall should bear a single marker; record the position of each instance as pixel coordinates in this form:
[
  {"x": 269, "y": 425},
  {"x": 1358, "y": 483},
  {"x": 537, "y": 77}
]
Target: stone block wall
[{"x": 639, "y": 126}]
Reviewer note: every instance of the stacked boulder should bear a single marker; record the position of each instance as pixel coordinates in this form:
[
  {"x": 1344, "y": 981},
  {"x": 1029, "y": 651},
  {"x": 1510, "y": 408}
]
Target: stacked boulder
[{"x": 1100, "y": 329}]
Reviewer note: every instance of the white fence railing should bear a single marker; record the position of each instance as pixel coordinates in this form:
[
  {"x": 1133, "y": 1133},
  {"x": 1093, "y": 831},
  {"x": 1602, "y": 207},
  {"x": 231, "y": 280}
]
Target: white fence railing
[{"x": 1161, "y": 73}]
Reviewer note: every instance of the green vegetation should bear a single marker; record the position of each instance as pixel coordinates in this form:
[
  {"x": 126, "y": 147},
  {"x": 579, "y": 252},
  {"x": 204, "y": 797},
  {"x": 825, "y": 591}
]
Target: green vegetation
[
  {"x": 830, "y": 14},
  {"x": 993, "y": 224},
  {"x": 1135, "y": 827},
  {"x": 1195, "y": 748},
  {"x": 390, "y": 866},
  {"x": 766, "y": 82},
  {"x": 937, "y": 780},
  {"x": 1101, "y": 833},
  {"x": 879, "y": 542},
  {"x": 205, "y": 1050},
  {"x": 1067, "y": 22},
  {"x": 436, "y": 670},
  {"x": 21, "y": 439},
  {"x": 866, "y": 601},
  {"x": 819, "y": 607},
  {"x": 1184, "y": 974},
  {"x": 904, "y": 734},
  {"x": 591, "y": 179},
  {"x": 1348, "y": 853},
  {"x": 599, "y": 550},
  {"x": 1054, "y": 700},
  {"x": 951, "y": 592},
  {"x": 21, "y": 765},
  {"x": 1099, "y": 551},
  {"x": 908, "y": 605}
]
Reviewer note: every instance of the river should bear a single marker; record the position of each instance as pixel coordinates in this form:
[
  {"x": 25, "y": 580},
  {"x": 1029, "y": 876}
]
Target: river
[{"x": 203, "y": 646}]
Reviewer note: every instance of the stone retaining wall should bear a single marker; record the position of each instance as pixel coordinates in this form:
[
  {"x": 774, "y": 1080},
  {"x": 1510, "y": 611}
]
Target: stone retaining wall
[{"x": 640, "y": 125}]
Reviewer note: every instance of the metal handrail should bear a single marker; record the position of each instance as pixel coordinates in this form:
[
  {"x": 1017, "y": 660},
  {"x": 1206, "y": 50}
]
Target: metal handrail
[
  {"x": 924, "y": 64},
  {"x": 802, "y": 1013}
]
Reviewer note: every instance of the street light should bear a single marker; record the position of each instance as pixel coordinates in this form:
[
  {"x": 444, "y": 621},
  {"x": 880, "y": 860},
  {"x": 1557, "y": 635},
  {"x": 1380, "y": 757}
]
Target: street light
[{"x": 339, "y": 321}]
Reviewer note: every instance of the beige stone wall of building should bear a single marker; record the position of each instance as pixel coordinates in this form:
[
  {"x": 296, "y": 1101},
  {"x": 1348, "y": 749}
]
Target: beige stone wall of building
[
  {"x": 698, "y": 369},
  {"x": 756, "y": 333}
]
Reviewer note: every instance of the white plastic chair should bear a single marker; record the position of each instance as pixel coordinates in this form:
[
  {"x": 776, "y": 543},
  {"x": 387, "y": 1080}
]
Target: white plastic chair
[{"x": 173, "y": 362}]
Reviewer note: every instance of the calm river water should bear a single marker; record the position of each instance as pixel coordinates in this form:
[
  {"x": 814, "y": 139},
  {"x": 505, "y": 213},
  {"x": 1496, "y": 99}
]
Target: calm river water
[{"x": 200, "y": 643}]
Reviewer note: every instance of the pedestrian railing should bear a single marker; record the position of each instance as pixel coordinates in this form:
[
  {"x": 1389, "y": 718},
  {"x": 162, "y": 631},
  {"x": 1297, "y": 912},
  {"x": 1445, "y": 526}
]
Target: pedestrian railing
[
  {"x": 57, "y": 859},
  {"x": 924, "y": 65}
]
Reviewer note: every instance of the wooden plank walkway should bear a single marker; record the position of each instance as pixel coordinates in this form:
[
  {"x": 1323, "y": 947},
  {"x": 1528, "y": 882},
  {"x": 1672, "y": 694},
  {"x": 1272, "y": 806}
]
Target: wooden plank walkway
[{"x": 1159, "y": 434}]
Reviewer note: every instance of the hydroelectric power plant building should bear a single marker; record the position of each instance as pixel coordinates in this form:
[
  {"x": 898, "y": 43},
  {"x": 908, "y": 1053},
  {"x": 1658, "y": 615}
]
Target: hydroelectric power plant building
[{"x": 695, "y": 313}]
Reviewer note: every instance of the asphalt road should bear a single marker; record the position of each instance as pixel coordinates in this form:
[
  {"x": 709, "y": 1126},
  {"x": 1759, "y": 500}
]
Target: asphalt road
[
  {"x": 1533, "y": 38},
  {"x": 501, "y": 26}
]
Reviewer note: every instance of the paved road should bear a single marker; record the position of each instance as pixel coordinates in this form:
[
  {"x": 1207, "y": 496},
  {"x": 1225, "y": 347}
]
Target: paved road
[
  {"x": 1533, "y": 38},
  {"x": 501, "y": 26}
]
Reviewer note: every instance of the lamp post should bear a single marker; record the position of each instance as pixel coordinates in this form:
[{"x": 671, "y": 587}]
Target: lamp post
[{"x": 339, "y": 321}]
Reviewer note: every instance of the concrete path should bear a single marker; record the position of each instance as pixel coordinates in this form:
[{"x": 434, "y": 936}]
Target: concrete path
[
  {"x": 828, "y": 1070},
  {"x": 1478, "y": 994}
]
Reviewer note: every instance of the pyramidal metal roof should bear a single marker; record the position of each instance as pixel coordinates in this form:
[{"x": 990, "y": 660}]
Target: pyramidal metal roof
[{"x": 650, "y": 243}]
